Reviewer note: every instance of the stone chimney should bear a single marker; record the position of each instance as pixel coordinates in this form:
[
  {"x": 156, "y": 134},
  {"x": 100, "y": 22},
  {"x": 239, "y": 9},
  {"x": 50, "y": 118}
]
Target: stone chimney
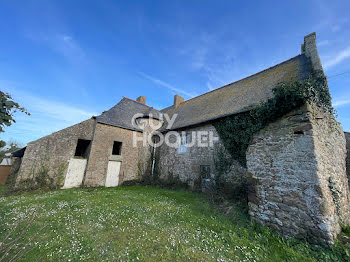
[
  {"x": 309, "y": 48},
  {"x": 178, "y": 100},
  {"x": 141, "y": 99}
]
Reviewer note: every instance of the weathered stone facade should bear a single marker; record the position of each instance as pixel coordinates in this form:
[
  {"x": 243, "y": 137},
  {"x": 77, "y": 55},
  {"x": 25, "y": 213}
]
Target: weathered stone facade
[
  {"x": 330, "y": 150},
  {"x": 297, "y": 165},
  {"x": 187, "y": 165},
  {"x": 101, "y": 153},
  {"x": 54, "y": 151},
  {"x": 135, "y": 156},
  {"x": 347, "y": 137}
]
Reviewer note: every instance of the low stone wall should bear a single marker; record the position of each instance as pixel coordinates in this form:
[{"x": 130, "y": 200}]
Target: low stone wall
[
  {"x": 297, "y": 166},
  {"x": 54, "y": 151},
  {"x": 347, "y": 137}
]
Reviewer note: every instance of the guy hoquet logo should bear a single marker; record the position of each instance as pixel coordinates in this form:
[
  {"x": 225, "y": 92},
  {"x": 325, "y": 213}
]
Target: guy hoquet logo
[{"x": 157, "y": 130}]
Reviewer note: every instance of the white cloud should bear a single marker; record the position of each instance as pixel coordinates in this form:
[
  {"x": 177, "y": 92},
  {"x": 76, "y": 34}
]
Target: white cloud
[
  {"x": 338, "y": 103},
  {"x": 68, "y": 47},
  {"x": 56, "y": 110},
  {"x": 63, "y": 44},
  {"x": 167, "y": 85},
  {"x": 196, "y": 50},
  {"x": 210, "y": 86},
  {"x": 338, "y": 58},
  {"x": 47, "y": 116}
]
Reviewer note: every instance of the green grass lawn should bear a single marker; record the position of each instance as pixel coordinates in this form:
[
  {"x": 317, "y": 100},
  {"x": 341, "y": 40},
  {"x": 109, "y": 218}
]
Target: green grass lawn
[{"x": 141, "y": 223}]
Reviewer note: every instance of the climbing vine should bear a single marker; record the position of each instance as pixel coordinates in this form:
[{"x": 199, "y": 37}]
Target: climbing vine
[{"x": 237, "y": 131}]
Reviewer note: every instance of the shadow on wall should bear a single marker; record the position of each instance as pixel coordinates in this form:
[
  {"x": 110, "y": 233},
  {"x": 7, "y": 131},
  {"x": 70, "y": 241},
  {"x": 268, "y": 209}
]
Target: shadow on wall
[{"x": 347, "y": 136}]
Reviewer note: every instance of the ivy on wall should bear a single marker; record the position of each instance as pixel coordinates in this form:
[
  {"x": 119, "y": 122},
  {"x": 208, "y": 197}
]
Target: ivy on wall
[{"x": 236, "y": 132}]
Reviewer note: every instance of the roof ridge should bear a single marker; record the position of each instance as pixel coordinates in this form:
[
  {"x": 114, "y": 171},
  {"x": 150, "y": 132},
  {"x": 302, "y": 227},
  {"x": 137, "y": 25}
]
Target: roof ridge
[
  {"x": 237, "y": 81},
  {"x": 135, "y": 101},
  {"x": 150, "y": 108}
]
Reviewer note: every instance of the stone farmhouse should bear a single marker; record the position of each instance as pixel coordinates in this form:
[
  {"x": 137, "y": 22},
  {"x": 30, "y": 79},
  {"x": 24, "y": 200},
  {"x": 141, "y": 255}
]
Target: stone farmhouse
[{"x": 299, "y": 185}]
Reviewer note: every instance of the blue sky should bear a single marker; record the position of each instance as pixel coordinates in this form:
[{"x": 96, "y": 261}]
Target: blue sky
[{"x": 68, "y": 60}]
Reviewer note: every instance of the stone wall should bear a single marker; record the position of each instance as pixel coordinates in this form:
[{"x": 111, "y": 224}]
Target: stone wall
[
  {"x": 16, "y": 164},
  {"x": 347, "y": 136},
  {"x": 186, "y": 166},
  {"x": 101, "y": 151},
  {"x": 297, "y": 166},
  {"x": 54, "y": 151},
  {"x": 330, "y": 149}
]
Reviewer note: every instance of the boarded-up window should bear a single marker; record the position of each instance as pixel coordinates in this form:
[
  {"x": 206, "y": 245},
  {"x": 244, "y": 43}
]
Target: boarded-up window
[
  {"x": 82, "y": 149},
  {"x": 117, "y": 148}
]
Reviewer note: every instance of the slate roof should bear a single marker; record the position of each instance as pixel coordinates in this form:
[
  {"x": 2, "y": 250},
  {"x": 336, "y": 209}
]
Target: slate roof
[
  {"x": 19, "y": 152},
  {"x": 122, "y": 113},
  {"x": 230, "y": 99},
  {"x": 152, "y": 113},
  {"x": 238, "y": 96}
]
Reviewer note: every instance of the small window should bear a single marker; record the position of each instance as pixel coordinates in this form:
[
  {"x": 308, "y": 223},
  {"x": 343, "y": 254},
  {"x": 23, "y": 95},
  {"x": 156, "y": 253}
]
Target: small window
[
  {"x": 183, "y": 143},
  {"x": 82, "y": 149},
  {"x": 185, "y": 139},
  {"x": 117, "y": 148}
]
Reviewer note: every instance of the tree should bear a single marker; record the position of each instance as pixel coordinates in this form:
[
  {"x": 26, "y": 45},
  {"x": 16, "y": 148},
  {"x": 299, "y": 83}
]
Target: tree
[{"x": 7, "y": 111}]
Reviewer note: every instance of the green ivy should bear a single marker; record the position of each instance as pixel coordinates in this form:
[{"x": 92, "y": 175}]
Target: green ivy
[{"x": 237, "y": 131}]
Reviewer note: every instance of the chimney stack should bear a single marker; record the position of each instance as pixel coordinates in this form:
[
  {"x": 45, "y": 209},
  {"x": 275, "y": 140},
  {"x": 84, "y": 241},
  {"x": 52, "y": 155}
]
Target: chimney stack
[
  {"x": 309, "y": 48},
  {"x": 141, "y": 99},
  {"x": 178, "y": 100}
]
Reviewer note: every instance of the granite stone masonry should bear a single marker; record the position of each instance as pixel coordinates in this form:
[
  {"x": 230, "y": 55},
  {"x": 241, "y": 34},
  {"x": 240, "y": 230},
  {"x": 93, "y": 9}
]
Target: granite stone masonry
[
  {"x": 297, "y": 166},
  {"x": 188, "y": 164},
  {"x": 101, "y": 153}
]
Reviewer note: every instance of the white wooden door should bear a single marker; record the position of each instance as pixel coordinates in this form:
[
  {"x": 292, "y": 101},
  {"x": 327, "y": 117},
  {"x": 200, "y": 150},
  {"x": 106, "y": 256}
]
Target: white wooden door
[
  {"x": 113, "y": 173},
  {"x": 75, "y": 173}
]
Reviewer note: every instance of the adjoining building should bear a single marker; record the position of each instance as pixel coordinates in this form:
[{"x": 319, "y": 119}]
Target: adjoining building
[{"x": 5, "y": 168}]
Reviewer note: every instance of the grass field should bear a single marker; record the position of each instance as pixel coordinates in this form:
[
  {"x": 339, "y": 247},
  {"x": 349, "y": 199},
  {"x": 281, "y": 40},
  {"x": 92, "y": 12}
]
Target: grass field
[{"x": 140, "y": 224}]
